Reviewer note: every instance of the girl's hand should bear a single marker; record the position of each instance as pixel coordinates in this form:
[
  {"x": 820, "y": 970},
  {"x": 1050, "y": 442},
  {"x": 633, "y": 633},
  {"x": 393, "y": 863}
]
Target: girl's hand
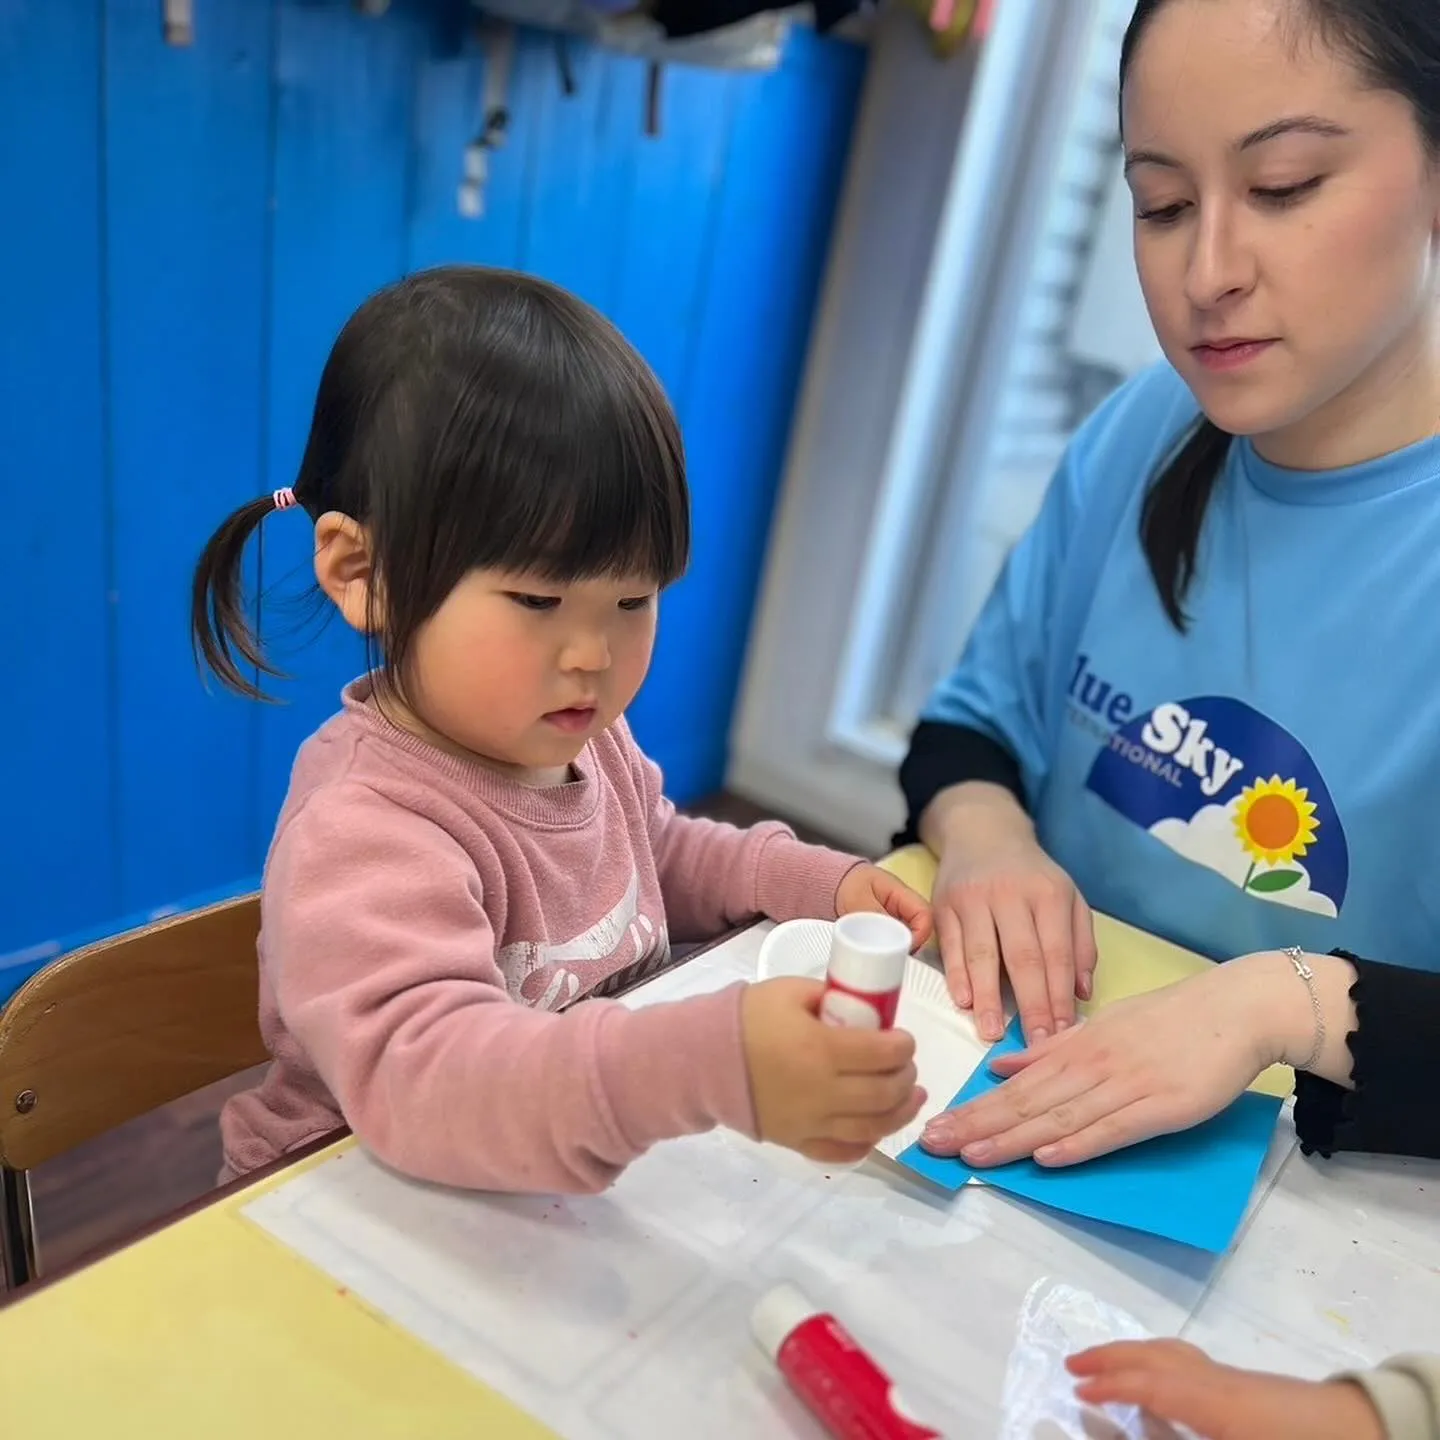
[
  {"x": 1174, "y": 1381},
  {"x": 1147, "y": 1066},
  {"x": 869, "y": 888},
  {"x": 829, "y": 1093},
  {"x": 1004, "y": 907}
]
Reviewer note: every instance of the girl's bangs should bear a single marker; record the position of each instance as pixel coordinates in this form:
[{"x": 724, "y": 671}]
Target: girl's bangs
[{"x": 582, "y": 501}]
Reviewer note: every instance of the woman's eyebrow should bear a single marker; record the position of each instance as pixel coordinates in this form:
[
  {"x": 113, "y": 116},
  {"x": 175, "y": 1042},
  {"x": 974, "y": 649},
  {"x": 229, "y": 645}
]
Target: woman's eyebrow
[{"x": 1288, "y": 125}]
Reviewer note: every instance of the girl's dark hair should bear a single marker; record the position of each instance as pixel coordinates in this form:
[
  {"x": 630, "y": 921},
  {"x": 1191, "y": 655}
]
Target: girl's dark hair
[
  {"x": 470, "y": 418},
  {"x": 1395, "y": 44}
]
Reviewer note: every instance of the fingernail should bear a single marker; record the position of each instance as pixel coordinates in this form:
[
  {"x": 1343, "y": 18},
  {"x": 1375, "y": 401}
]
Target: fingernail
[
  {"x": 1085, "y": 986},
  {"x": 979, "y": 1152},
  {"x": 1038, "y": 1034},
  {"x": 1046, "y": 1153},
  {"x": 990, "y": 1026},
  {"x": 937, "y": 1132},
  {"x": 1061, "y": 1025}
]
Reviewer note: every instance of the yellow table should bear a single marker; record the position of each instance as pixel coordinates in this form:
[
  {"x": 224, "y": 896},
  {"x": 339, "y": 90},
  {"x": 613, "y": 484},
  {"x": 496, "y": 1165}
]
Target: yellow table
[{"x": 211, "y": 1328}]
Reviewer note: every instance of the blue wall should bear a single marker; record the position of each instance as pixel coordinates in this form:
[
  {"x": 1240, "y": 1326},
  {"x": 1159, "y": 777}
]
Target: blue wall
[{"x": 182, "y": 232}]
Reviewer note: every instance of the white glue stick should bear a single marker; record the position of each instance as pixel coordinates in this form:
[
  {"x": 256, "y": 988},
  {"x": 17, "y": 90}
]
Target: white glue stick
[
  {"x": 822, "y": 1362},
  {"x": 867, "y": 968}
]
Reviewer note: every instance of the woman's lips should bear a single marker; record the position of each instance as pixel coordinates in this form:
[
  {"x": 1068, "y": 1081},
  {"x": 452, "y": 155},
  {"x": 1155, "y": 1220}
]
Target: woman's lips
[{"x": 1230, "y": 354}]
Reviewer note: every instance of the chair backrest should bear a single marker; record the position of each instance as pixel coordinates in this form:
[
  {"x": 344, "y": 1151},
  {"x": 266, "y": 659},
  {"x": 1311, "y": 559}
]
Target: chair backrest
[{"x": 117, "y": 1028}]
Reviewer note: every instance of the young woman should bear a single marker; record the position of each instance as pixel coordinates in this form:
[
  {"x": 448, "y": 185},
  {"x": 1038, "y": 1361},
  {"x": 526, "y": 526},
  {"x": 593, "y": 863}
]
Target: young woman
[{"x": 1201, "y": 695}]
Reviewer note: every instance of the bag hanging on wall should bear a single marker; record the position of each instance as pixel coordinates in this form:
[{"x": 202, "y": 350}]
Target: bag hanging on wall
[
  {"x": 737, "y": 35},
  {"x": 681, "y": 19},
  {"x": 753, "y": 40}
]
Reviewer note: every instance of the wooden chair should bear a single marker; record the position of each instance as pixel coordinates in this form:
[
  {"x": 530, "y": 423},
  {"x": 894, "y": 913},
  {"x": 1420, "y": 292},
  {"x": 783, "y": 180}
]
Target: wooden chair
[{"x": 112, "y": 1031}]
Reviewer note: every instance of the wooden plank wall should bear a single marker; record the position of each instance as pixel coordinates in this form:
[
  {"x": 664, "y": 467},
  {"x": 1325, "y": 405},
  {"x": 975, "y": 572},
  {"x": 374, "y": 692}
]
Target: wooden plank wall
[{"x": 182, "y": 232}]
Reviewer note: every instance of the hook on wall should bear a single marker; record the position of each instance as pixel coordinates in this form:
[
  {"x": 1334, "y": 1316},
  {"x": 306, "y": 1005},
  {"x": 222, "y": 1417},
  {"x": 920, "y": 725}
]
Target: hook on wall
[
  {"x": 499, "y": 41},
  {"x": 565, "y": 63},
  {"x": 178, "y": 21},
  {"x": 654, "y": 89}
]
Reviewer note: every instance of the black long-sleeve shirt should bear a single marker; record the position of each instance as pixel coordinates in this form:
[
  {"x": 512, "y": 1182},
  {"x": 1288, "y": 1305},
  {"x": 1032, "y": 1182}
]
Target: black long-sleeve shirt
[
  {"x": 942, "y": 755},
  {"x": 1395, "y": 1045}
]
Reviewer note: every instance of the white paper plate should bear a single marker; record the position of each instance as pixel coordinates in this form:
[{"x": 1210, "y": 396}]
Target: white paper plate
[{"x": 798, "y": 947}]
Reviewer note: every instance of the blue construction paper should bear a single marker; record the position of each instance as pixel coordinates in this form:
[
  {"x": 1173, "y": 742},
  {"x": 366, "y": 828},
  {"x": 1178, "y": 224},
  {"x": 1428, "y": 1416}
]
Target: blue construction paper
[{"x": 1192, "y": 1187}]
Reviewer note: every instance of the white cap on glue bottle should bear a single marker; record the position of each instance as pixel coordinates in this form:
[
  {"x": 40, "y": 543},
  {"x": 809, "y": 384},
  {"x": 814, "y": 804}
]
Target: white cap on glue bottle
[
  {"x": 778, "y": 1315},
  {"x": 868, "y": 954}
]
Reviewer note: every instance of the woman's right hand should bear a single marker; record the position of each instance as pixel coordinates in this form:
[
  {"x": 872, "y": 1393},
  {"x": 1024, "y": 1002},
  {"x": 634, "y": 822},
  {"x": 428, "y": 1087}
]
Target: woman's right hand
[
  {"x": 1149, "y": 1065},
  {"x": 1002, "y": 906},
  {"x": 827, "y": 1092}
]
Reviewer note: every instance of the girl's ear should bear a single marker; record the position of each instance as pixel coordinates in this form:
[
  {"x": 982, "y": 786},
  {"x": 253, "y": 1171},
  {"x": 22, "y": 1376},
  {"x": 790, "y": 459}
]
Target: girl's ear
[{"x": 345, "y": 569}]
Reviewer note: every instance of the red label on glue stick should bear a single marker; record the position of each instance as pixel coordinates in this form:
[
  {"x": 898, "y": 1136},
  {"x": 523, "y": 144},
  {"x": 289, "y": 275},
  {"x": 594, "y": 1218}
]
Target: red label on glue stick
[
  {"x": 822, "y": 1362},
  {"x": 857, "y": 1010},
  {"x": 866, "y": 971}
]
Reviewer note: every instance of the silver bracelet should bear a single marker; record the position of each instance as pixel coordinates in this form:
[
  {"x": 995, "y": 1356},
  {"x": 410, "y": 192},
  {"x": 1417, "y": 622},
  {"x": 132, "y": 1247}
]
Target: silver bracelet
[{"x": 1296, "y": 956}]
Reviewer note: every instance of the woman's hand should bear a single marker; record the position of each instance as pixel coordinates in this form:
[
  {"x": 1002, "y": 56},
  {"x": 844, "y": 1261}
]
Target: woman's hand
[
  {"x": 1147, "y": 1066},
  {"x": 1003, "y": 906},
  {"x": 869, "y": 888},
  {"x": 1174, "y": 1381}
]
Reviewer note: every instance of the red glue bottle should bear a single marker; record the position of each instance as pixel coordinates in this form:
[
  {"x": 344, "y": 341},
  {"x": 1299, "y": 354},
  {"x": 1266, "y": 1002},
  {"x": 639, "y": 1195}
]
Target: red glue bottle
[
  {"x": 866, "y": 971},
  {"x": 845, "y": 1389}
]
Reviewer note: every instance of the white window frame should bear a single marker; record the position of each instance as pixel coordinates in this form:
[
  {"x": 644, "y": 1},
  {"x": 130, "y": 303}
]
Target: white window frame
[{"x": 933, "y": 245}]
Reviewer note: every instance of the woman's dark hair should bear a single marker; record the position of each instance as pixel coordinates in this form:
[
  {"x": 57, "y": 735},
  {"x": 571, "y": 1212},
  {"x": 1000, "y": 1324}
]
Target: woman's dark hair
[
  {"x": 1395, "y": 44},
  {"x": 470, "y": 418}
]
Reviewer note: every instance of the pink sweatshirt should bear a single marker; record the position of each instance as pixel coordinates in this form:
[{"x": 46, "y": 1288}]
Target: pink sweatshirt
[{"x": 423, "y": 919}]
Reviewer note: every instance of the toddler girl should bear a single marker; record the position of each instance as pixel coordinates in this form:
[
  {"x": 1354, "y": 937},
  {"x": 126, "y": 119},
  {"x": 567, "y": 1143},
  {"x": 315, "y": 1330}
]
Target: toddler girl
[{"x": 475, "y": 841}]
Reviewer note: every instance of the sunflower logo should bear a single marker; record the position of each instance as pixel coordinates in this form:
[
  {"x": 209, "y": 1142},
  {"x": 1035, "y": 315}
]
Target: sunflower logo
[{"x": 1275, "y": 820}]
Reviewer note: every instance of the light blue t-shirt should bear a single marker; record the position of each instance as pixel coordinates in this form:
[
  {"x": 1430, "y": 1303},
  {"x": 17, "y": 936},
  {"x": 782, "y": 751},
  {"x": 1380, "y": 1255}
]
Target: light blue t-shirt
[{"x": 1272, "y": 777}]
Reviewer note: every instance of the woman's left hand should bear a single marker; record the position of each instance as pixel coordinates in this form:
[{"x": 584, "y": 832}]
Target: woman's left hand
[
  {"x": 1176, "y": 1382},
  {"x": 868, "y": 887},
  {"x": 1147, "y": 1066}
]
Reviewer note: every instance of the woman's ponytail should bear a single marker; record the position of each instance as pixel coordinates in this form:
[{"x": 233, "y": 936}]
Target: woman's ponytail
[
  {"x": 220, "y": 630},
  {"x": 1173, "y": 516}
]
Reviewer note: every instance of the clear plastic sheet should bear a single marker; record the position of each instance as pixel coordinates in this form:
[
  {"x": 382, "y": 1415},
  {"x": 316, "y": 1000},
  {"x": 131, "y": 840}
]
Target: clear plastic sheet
[{"x": 1056, "y": 1321}]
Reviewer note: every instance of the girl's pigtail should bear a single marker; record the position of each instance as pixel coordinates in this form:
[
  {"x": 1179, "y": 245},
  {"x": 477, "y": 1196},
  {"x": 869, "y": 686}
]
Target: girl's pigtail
[{"x": 220, "y": 629}]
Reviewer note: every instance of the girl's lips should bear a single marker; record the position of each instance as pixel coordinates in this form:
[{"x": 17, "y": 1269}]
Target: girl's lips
[{"x": 572, "y": 721}]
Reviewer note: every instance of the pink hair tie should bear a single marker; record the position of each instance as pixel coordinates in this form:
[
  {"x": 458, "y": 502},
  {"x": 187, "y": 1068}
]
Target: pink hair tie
[{"x": 284, "y": 499}]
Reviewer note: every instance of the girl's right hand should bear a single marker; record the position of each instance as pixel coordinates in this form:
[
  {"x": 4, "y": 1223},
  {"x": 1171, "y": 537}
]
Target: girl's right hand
[
  {"x": 829, "y": 1093},
  {"x": 1003, "y": 906}
]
